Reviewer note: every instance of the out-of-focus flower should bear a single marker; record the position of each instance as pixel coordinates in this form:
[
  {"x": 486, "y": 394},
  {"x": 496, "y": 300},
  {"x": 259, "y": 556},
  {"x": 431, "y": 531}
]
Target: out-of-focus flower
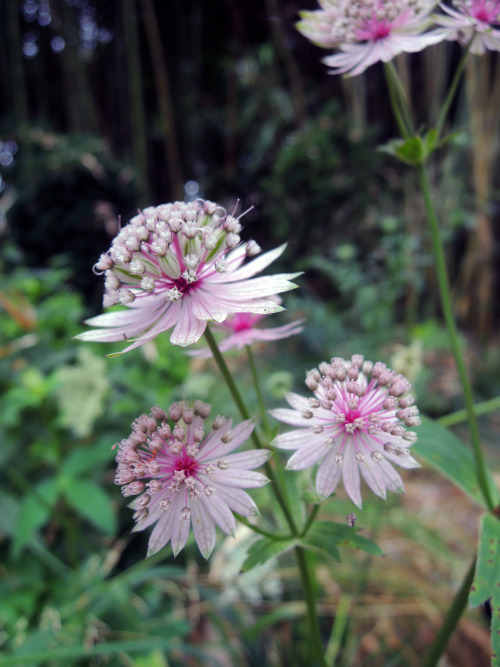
[
  {"x": 408, "y": 359},
  {"x": 354, "y": 423},
  {"x": 474, "y": 21},
  {"x": 261, "y": 581},
  {"x": 368, "y": 31},
  {"x": 243, "y": 330},
  {"x": 179, "y": 266},
  {"x": 80, "y": 392},
  {"x": 184, "y": 477}
]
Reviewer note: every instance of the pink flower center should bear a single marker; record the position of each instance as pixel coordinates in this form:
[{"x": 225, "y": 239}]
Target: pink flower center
[
  {"x": 243, "y": 321},
  {"x": 188, "y": 464},
  {"x": 373, "y": 30}
]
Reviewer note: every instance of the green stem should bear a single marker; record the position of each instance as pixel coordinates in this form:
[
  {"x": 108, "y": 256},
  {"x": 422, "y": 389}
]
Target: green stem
[
  {"x": 451, "y": 619},
  {"x": 307, "y": 584},
  {"x": 261, "y": 531},
  {"x": 444, "y": 292},
  {"x": 459, "y": 416},
  {"x": 451, "y": 92},
  {"x": 240, "y": 404},
  {"x": 398, "y": 101},
  {"x": 258, "y": 391},
  {"x": 310, "y": 520}
]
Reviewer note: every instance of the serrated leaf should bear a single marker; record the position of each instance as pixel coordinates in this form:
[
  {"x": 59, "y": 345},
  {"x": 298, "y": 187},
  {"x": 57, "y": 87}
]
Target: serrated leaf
[
  {"x": 321, "y": 542},
  {"x": 34, "y": 512},
  {"x": 486, "y": 582},
  {"x": 334, "y": 534},
  {"x": 90, "y": 501},
  {"x": 265, "y": 549},
  {"x": 85, "y": 459},
  {"x": 442, "y": 450}
]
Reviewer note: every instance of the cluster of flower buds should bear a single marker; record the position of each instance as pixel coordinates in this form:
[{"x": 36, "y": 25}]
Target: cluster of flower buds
[{"x": 163, "y": 248}]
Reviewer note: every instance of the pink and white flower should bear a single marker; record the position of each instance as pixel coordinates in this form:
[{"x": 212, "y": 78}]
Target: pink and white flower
[
  {"x": 355, "y": 423},
  {"x": 178, "y": 266},
  {"x": 475, "y": 21},
  {"x": 368, "y": 31},
  {"x": 184, "y": 477},
  {"x": 242, "y": 330}
]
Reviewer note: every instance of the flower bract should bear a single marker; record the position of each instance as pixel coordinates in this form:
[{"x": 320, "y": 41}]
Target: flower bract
[
  {"x": 183, "y": 475},
  {"x": 243, "y": 329},
  {"x": 178, "y": 266},
  {"x": 355, "y": 424}
]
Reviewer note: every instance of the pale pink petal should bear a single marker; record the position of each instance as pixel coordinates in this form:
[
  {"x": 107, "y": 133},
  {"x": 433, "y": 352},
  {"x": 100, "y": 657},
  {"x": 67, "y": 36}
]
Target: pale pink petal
[
  {"x": 203, "y": 527},
  {"x": 350, "y": 475},
  {"x": 239, "y": 501},
  {"x": 188, "y": 329},
  {"x": 329, "y": 475},
  {"x": 249, "y": 459},
  {"x": 309, "y": 454},
  {"x": 220, "y": 513}
]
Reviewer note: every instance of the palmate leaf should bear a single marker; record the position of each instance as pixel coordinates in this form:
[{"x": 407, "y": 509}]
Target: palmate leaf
[
  {"x": 92, "y": 503},
  {"x": 265, "y": 549},
  {"x": 486, "y": 584},
  {"x": 442, "y": 450},
  {"x": 328, "y": 535}
]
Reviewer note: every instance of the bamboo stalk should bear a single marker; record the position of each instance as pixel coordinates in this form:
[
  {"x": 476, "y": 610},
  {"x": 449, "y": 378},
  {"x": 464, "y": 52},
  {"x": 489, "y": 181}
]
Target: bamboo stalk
[{"x": 167, "y": 119}]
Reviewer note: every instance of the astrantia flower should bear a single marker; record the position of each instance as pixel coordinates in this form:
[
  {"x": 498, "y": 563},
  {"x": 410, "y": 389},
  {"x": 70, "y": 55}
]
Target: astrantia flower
[
  {"x": 179, "y": 266},
  {"x": 355, "y": 423},
  {"x": 183, "y": 476},
  {"x": 476, "y": 20},
  {"x": 368, "y": 31},
  {"x": 243, "y": 330}
]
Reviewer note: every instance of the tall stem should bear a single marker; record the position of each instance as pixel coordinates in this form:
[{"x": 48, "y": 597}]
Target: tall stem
[
  {"x": 258, "y": 391},
  {"x": 240, "y": 404},
  {"x": 452, "y": 617},
  {"x": 444, "y": 292},
  {"x": 451, "y": 93},
  {"x": 398, "y": 101},
  {"x": 307, "y": 583}
]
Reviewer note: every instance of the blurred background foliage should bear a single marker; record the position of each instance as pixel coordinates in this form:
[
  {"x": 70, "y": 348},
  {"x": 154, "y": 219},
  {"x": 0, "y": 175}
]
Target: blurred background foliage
[{"x": 109, "y": 106}]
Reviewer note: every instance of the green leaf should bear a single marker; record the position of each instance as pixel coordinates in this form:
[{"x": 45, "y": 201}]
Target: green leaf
[
  {"x": 34, "y": 512},
  {"x": 327, "y": 535},
  {"x": 85, "y": 459},
  {"x": 486, "y": 582},
  {"x": 90, "y": 501},
  {"x": 265, "y": 549},
  {"x": 442, "y": 450},
  {"x": 410, "y": 151},
  {"x": 105, "y": 648}
]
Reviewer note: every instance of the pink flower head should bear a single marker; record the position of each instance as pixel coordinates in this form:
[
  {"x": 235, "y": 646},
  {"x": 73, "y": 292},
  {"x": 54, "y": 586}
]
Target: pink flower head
[
  {"x": 183, "y": 477},
  {"x": 354, "y": 423},
  {"x": 242, "y": 330},
  {"x": 476, "y": 21},
  {"x": 179, "y": 266},
  {"x": 368, "y": 31}
]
